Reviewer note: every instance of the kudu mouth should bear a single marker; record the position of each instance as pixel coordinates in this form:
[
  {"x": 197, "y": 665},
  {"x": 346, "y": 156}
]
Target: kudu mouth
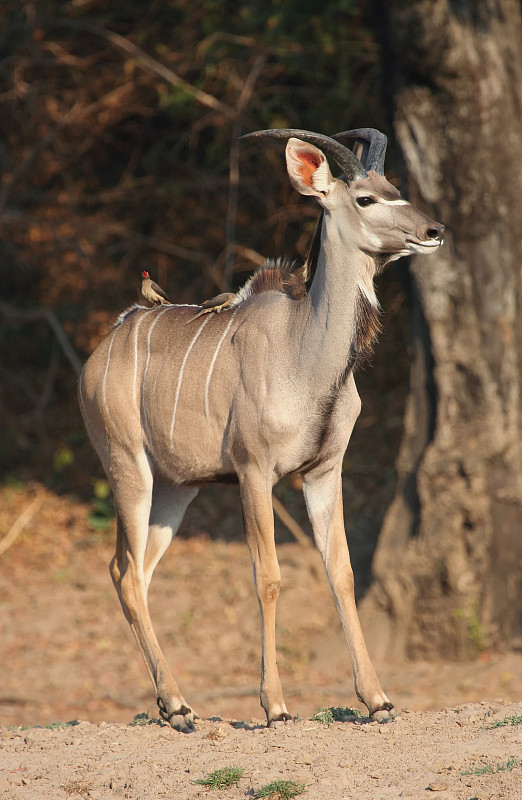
[
  {"x": 435, "y": 238},
  {"x": 348, "y": 162},
  {"x": 423, "y": 247}
]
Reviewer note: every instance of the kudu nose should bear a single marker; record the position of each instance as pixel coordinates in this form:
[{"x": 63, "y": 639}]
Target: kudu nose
[{"x": 435, "y": 232}]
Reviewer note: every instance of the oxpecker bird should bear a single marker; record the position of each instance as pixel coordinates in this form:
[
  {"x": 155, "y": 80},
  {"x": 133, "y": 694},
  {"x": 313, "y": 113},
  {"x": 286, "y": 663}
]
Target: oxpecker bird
[
  {"x": 214, "y": 305},
  {"x": 152, "y": 292}
]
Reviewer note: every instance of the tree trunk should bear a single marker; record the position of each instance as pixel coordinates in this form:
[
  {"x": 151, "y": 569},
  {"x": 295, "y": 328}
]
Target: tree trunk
[{"x": 448, "y": 565}]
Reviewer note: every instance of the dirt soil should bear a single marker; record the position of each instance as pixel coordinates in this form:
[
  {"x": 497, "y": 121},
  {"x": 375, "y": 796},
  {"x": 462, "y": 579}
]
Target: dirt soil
[{"x": 66, "y": 654}]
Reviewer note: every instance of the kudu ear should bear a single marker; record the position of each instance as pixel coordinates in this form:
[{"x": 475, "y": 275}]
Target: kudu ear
[{"x": 308, "y": 168}]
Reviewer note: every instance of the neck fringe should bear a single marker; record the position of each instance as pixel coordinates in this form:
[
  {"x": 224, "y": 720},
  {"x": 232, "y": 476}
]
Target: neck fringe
[
  {"x": 280, "y": 275},
  {"x": 367, "y": 328}
]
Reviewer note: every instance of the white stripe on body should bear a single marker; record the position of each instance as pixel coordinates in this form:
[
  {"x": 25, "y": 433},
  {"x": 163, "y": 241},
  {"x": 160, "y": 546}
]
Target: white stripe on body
[
  {"x": 180, "y": 378},
  {"x": 214, "y": 357},
  {"x": 135, "y": 382},
  {"x": 104, "y": 384},
  {"x": 92, "y": 434},
  {"x": 145, "y": 419}
]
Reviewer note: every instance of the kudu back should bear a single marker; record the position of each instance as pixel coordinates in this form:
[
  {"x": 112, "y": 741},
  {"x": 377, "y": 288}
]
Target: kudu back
[{"x": 262, "y": 390}]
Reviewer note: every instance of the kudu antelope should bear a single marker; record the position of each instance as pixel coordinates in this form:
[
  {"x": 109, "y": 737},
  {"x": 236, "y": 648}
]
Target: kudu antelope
[{"x": 262, "y": 390}]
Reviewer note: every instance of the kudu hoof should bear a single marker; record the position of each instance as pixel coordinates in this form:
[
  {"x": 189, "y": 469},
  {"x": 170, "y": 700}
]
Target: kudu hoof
[
  {"x": 181, "y": 719},
  {"x": 278, "y": 721},
  {"x": 384, "y": 714}
]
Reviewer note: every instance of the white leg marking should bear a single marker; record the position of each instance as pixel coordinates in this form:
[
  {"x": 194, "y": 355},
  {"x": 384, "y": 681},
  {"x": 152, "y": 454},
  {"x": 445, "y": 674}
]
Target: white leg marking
[
  {"x": 145, "y": 418},
  {"x": 320, "y": 504},
  {"x": 180, "y": 378},
  {"x": 214, "y": 357}
]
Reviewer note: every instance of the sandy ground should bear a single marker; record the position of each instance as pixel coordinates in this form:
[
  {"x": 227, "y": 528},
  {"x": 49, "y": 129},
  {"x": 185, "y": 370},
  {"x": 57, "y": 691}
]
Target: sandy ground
[
  {"x": 420, "y": 754},
  {"x": 66, "y": 654}
]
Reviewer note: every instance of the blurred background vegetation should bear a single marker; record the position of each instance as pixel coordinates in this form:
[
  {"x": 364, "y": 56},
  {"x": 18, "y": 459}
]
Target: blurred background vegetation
[{"x": 119, "y": 152}]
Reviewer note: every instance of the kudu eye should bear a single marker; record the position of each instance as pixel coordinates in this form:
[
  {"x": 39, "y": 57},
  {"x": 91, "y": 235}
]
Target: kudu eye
[{"x": 364, "y": 201}]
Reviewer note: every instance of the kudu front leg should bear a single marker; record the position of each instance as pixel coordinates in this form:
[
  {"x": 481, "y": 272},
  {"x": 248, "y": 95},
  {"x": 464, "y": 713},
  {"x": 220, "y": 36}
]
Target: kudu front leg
[
  {"x": 324, "y": 502},
  {"x": 256, "y": 499}
]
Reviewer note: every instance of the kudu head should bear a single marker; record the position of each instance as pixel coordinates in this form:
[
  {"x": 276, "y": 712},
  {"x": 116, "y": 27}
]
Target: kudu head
[{"x": 380, "y": 222}]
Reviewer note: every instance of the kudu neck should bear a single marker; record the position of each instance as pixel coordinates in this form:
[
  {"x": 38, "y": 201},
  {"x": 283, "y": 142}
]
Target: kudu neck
[{"x": 342, "y": 273}]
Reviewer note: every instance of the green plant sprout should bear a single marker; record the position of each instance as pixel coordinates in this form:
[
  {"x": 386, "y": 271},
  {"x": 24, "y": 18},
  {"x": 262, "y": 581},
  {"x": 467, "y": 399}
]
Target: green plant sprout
[
  {"x": 55, "y": 726},
  {"x": 280, "y": 790},
  {"x": 491, "y": 769},
  {"x": 516, "y": 719},
  {"x": 144, "y": 719},
  {"x": 337, "y": 714},
  {"x": 221, "y": 778}
]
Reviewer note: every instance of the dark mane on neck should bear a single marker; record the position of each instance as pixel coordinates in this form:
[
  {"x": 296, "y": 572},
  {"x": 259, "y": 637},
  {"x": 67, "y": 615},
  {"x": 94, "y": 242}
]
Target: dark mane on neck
[
  {"x": 310, "y": 265},
  {"x": 367, "y": 328},
  {"x": 281, "y": 275}
]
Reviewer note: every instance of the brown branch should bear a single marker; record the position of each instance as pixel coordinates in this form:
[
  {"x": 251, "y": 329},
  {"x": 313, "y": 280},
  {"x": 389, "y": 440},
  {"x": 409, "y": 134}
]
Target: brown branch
[
  {"x": 112, "y": 229},
  {"x": 292, "y": 525},
  {"x": 53, "y": 322},
  {"x": 219, "y": 36},
  {"x": 131, "y": 49},
  {"x": 169, "y": 248},
  {"x": 244, "y": 100},
  {"x": 249, "y": 254},
  {"x": 20, "y": 523},
  {"x": 50, "y": 379},
  {"x": 73, "y": 115}
]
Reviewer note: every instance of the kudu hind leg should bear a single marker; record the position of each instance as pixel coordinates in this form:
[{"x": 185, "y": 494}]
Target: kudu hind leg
[
  {"x": 258, "y": 518},
  {"x": 131, "y": 581},
  {"x": 324, "y": 502}
]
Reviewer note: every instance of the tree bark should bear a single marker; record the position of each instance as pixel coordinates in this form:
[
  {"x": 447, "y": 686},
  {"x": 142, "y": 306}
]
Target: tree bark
[{"x": 448, "y": 565}]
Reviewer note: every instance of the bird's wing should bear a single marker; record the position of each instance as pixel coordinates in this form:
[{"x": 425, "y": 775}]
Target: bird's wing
[
  {"x": 218, "y": 300},
  {"x": 159, "y": 291}
]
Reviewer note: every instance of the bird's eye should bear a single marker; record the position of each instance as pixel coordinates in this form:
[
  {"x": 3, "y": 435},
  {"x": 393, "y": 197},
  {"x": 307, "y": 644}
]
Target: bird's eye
[{"x": 364, "y": 201}]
